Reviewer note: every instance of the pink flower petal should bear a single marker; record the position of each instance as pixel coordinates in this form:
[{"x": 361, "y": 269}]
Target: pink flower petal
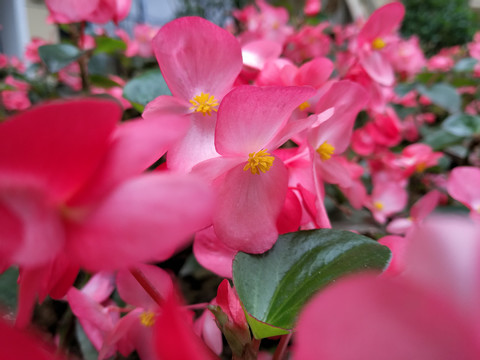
[
  {"x": 196, "y": 146},
  {"x": 378, "y": 67},
  {"x": 133, "y": 293},
  {"x": 197, "y": 56},
  {"x": 145, "y": 218},
  {"x": 463, "y": 186},
  {"x": 174, "y": 337},
  {"x": 213, "y": 254},
  {"x": 315, "y": 72},
  {"x": 66, "y": 141},
  {"x": 135, "y": 146},
  {"x": 248, "y": 206},
  {"x": 256, "y": 53},
  {"x": 249, "y": 117},
  {"x": 72, "y": 10},
  {"x": 382, "y": 22},
  {"x": 365, "y": 317}
]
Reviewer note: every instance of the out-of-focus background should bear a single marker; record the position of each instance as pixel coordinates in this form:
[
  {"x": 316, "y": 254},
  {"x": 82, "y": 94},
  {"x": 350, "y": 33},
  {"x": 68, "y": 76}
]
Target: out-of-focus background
[{"x": 439, "y": 23}]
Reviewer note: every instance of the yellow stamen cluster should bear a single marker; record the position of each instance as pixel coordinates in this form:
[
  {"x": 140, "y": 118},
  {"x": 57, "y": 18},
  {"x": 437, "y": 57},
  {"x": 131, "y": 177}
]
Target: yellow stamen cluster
[
  {"x": 421, "y": 166},
  {"x": 378, "y": 44},
  {"x": 325, "y": 151},
  {"x": 304, "y": 105},
  {"x": 378, "y": 205},
  {"x": 147, "y": 318},
  {"x": 204, "y": 103},
  {"x": 259, "y": 161}
]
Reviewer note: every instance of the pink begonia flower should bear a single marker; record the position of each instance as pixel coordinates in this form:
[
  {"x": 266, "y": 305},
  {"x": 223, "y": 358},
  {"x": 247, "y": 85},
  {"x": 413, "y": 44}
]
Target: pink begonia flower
[
  {"x": 417, "y": 158},
  {"x": 135, "y": 331},
  {"x": 61, "y": 203},
  {"x": 3, "y": 61},
  {"x": 308, "y": 43},
  {"x": 474, "y": 46},
  {"x": 406, "y": 57},
  {"x": 420, "y": 210},
  {"x": 31, "y": 50},
  {"x": 440, "y": 62},
  {"x": 251, "y": 183},
  {"x": 374, "y": 38},
  {"x": 200, "y": 62},
  {"x": 23, "y": 345},
  {"x": 143, "y": 36},
  {"x": 96, "y": 11},
  {"x": 93, "y": 309},
  {"x": 16, "y": 99},
  {"x": 312, "y": 7},
  {"x": 174, "y": 336},
  {"x": 463, "y": 186},
  {"x": 387, "y": 199},
  {"x": 332, "y": 136},
  {"x": 269, "y": 22},
  {"x": 430, "y": 311}
]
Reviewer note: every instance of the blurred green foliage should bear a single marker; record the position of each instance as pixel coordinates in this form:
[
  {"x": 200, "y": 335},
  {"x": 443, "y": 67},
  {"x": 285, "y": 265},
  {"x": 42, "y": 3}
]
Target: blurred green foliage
[{"x": 440, "y": 23}]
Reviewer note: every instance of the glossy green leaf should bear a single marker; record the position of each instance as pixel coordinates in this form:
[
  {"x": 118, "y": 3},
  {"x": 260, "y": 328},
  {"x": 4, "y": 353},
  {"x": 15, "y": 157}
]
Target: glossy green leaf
[
  {"x": 146, "y": 87},
  {"x": 462, "y": 124},
  {"x": 274, "y": 286},
  {"x": 57, "y": 56},
  {"x": 109, "y": 45},
  {"x": 403, "y": 89},
  {"x": 443, "y": 95}
]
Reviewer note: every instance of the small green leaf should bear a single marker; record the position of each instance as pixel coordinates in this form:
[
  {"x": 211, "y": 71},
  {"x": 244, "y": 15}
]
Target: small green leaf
[
  {"x": 443, "y": 95},
  {"x": 464, "y": 65},
  {"x": 109, "y": 45},
  {"x": 8, "y": 289},
  {"x": 103, "y": 81},
  {"x": 462, "y": 124},
  {"x": 146, "y": 87},
  {"x": 274, "y": 286},
  {"x": 57, "y": 56}
]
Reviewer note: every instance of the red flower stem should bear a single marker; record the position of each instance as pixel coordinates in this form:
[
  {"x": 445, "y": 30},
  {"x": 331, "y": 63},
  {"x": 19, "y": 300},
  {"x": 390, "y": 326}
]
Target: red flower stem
[
  {"x": 282, "y": 347},
  {"x": 147, "y": 285}
]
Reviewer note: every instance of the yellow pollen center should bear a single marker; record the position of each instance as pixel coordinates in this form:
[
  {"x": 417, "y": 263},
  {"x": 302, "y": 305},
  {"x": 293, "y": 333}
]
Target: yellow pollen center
[
  {"x": 204, "y": 103},
  {"x": 147, "y": 318},
  {"x": 260, "y": 160},
  {"x": 420, "y": 167},
  {"x": 304, "y": 105},
  {"x": 378, "y": 44},
  {"x": 378, "y": 205},
  {"x": 325, "y": 151}
]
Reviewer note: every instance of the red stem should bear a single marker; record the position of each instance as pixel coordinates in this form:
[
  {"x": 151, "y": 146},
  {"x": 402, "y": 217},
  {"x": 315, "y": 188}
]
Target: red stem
[
  {"x": 147, "y": 285},
  {"x": 281, "y": 349}
]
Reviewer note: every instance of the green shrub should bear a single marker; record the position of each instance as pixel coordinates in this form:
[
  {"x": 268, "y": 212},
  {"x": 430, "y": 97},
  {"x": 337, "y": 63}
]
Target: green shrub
[{"x": 439, "y": 23}]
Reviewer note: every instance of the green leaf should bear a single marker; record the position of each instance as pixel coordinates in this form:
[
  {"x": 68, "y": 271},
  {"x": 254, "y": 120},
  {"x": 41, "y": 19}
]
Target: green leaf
[
  {"x": 443, "y": 95},
  {"x": 440, "y": 139},
  {"x": 109, "y": 45},
  {"x": 274, "y": 286},
  {"x": 8, "y": 289},
  {"x": 57, "y": 56},
  {"x": 403, "y": 89},
  {"x": 462, "y": 124},
  {"x": 86, "y": 347},
  {"x": 146, "y": 87},
  {"x": 464, "y": 65}
]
